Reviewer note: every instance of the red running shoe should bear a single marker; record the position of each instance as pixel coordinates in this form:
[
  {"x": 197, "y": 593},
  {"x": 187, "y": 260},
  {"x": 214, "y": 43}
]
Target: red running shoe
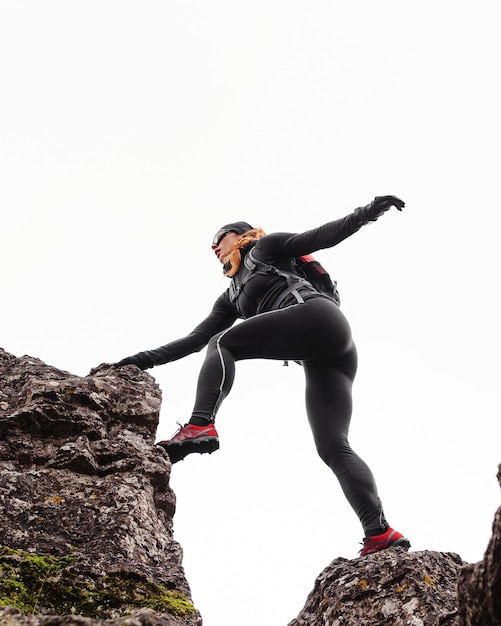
[
  {"x": 390, "y": 539},
  {"x": 190, "y": 438}
]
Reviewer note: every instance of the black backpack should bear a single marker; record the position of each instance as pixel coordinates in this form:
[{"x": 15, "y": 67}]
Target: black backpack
[{"x": 316, "y": 274}]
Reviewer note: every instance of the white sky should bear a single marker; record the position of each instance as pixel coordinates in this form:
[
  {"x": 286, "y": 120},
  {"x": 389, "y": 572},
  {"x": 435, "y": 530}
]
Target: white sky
[{"x": 130, "y": 131}]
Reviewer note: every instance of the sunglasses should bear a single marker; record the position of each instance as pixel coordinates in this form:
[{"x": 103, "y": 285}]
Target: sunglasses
[{"x": 219, "y": 236}]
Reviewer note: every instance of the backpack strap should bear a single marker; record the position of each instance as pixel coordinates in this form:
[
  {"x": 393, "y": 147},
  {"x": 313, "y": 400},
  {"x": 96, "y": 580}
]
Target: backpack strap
[
  {"x": 255, "y": 267},
  {"x": 293, "y": 281}
]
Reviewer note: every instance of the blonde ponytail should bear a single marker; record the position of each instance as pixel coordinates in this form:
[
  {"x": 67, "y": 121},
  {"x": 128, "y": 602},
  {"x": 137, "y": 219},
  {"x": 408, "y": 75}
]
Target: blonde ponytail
[{"x": 234, "y": 258}]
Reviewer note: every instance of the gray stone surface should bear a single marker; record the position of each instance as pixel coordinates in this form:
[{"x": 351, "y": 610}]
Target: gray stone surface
[{"x": 81, "y": 479}]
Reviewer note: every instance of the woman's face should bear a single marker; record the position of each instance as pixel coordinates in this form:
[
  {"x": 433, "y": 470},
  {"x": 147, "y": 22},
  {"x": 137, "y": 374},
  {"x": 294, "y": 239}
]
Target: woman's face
[{"x": 223, "y": 248}]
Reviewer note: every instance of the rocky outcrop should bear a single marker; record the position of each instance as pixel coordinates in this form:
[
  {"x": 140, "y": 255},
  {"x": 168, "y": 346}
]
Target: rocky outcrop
[
  {"x": 479, "y": 602},
  {"x": 409, "y": 589},
  {"x": 86, "y": 510},
  {"x": 389, "y": 587},
  {"x": 86, "y": 519}
]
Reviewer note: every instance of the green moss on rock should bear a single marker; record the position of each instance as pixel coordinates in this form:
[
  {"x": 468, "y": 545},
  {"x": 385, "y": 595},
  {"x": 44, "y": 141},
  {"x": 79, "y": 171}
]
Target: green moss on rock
[{"x": 39, "y": 584}]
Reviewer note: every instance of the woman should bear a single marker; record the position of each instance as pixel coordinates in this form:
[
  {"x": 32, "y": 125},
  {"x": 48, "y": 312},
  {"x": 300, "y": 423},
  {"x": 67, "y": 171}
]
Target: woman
[{"x": 284, "y": 318}]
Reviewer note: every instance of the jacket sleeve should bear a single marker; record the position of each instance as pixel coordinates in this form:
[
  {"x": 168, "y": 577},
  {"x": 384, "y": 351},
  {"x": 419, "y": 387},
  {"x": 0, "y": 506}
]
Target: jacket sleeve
[
  {"x": 221, "y": 317},
  {"x": 327, "y": 235}
]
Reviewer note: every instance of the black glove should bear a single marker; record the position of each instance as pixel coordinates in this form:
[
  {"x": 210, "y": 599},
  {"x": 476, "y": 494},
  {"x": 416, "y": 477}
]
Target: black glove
[
  {"x": 377, "y": 207},
  {"x": 141, "y": 359},
  {"x": 100, "y": 368}
]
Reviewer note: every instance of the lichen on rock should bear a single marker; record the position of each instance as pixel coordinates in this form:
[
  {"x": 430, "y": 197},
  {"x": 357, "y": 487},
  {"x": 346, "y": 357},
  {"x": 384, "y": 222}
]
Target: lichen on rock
[{"x": 41, "y": 584}]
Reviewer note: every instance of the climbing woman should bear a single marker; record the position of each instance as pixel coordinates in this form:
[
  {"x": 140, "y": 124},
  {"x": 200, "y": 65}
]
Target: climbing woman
[{"x": 285, "y": 317}]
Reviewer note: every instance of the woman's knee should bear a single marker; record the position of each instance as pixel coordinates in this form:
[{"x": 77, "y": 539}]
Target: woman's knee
[
  {"x": 217, "y": 340},
  {"x": 334, "y": 453}
]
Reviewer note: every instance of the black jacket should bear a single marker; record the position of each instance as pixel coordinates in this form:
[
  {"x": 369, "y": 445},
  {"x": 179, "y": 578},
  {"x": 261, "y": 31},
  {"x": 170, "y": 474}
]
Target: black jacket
[{"x": 276, "y": 249}]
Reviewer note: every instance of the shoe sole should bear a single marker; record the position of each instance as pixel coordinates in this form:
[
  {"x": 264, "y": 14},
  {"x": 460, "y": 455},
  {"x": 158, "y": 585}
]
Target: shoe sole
[
  {"x": 178, "y": 451},
  {"x": 401, "y": 543},
  {"x": 398, "y": 543}
]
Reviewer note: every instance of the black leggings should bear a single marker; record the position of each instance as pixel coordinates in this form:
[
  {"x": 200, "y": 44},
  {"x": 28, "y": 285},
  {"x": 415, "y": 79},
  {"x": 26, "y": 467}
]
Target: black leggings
[{"x": 317, "y": 334}]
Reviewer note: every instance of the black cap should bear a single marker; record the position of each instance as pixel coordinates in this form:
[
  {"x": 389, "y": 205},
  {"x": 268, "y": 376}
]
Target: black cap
[{"x": 235, "y": 227}]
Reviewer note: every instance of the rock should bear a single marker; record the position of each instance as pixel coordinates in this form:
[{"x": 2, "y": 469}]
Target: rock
[
  {"x": 409, "y": 589},
  {"x": 13, "y": 617},
  {"x": 86, "y": 510},
  {"x": 389, "y": 587},
  {"x": 86, "y": 519},
  {"x": 479, "y": 601}
]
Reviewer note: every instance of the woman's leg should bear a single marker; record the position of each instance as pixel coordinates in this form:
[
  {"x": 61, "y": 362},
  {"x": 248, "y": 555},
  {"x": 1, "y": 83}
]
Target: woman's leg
[
  {"x": 329, "y": 407},
  {"x": 317, "y": 334}
]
